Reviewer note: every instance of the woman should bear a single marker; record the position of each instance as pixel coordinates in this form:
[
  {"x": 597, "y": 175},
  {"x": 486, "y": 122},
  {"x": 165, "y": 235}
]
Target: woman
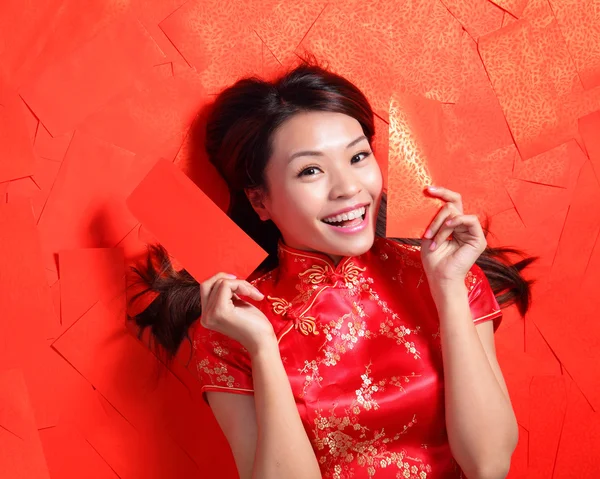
[{"x": 346, "y": 354}]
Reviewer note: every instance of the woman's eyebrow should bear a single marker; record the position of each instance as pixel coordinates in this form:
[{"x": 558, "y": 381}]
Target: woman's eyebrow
[{"x": 318, "y": 153}]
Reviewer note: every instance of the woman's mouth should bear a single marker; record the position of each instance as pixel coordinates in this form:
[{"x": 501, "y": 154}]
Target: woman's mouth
[{"x": 350, "y": 222}]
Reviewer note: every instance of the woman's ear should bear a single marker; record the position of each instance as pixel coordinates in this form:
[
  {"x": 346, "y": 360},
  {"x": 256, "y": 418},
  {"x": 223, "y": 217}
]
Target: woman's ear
[{"x": 256, "y": 196}]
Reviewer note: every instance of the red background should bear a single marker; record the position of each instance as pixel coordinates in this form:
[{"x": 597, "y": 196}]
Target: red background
[{"x": 496, "y": 99}]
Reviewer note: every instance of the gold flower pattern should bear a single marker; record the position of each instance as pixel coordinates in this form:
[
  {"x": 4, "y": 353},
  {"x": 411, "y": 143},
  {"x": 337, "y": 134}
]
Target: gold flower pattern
[{"x": 363, "y": 358}]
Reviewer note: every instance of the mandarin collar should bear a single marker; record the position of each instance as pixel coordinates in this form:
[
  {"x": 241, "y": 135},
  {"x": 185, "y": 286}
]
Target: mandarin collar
[{"x": 295, "y": 262}]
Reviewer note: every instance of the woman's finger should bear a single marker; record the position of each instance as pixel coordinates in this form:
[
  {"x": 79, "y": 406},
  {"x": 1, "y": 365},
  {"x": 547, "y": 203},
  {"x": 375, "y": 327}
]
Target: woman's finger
[
  {"x": 225, "y": 289},
  {"x": 447, "y": 195},
  {"x": 207, "y": 286},
  {"x": 470, "y": 222},
  {"x": 447, "y": 211}
]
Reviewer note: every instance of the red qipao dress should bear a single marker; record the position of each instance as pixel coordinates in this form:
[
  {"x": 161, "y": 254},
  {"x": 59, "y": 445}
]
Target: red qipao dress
[{"x": 360, "y": 343}]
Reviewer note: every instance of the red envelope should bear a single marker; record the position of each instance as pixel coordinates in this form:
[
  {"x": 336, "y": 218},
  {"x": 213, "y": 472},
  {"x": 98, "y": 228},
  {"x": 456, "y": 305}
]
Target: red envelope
[
  {"x": 86, "y": 207},
  {"x": 82, "y": 82},
  {"x": 207, "y": 32},
  {"x": 579, "y": 20},
  {"x": 22, "y": 456},
  {"x": 24, "y": 292},
  {"x": 16, "y": 150},
  {"x": 147, "y": 398},
  {"x": 146, "y": 115},
  {"x": 414, "y": 162},
  {"x": 536, "y": 83},
  {"x": 192, "y": 228},
  {"x": 86, "y": 276},
  {"x": 580, "y": 438},
  {"x": 552, "y": 167},
  {"x": 589, "y": 129},
  {"x": 514, "y": 7},
  {"x": 476, "y": 17},
  {"x": 283, "y": 26},
  {"x": 548, "y": 405}
]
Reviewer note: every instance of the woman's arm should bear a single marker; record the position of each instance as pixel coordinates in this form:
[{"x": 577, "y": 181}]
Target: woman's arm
[
  {"x": 267, "y": 440},
  {"x": 283, "y": 448},
  {"x": 481, "y": 424}
]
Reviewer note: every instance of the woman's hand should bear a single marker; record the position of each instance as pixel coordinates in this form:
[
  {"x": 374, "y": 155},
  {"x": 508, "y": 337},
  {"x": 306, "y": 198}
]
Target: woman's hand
[
  {"x": 447, "y": 259},
  {"x": 224, "y": 311}
]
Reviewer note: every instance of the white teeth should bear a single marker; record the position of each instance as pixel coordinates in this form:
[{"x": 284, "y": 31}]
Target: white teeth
[{"x": 357, "y": 213}]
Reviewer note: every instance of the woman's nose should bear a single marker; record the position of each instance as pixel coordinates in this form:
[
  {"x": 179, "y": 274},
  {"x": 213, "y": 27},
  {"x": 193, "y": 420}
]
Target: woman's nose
[{"x": 346, "y": 184}]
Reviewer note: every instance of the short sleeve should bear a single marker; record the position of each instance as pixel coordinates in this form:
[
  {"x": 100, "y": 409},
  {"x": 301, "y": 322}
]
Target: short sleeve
[
  {"x": 221, "y": 363},
  {"x": 482, "y": 301}
]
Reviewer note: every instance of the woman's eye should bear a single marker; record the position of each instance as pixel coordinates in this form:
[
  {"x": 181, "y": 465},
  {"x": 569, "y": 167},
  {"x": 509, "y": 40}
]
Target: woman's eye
[
  {"x": 305, "y": 171},
  {"x": 311, "y": 170},
  {"x": 366, "y": 153}
]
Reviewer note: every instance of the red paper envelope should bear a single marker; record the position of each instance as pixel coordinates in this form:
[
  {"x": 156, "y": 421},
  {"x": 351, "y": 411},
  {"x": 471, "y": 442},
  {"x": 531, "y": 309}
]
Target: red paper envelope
[
  {"x": 589, "y": 129},
  {"x": 86, "y": 276},
  {"x": 579, "y": 22},
  {"x": 81, "y": 83},
  {"x": 580, "y": 438},
  {"x": 548, "y": 405},
  {"x": 414, "y": 154},
  {"x": 476, "y": 17},
  {"x": 514, "y": 7},
  {"x": 552, "y": 167},
  {"x": 192, "y": 228},
  {"x": 146, "y": 115},
  {"x": 16, "y": 150},
  {"x": 535, "y": 80},
  {"x": 21, "y": 455},
  {"x": 215, "y": 38},
  {"x": 148, "y": 399}
]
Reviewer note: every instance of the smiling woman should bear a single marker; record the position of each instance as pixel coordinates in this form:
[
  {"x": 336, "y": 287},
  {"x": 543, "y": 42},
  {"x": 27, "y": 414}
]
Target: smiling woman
[{"x": 338, "y": 356}]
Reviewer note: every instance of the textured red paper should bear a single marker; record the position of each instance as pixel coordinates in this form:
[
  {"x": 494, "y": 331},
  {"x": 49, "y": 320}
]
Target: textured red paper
[
  {"x": 195, "y": 30},
  {"x": 589, "y": 128},
  {"x": 157, "y": 406},
  {"x": 24, "y": 292},
  {"x": 477, "y": 18},
  {"x": 21, "y": 454},
  {"x": 79, "y": 84},
  {"x": 16, "y": 152},
  {"x": 194, "y": 230},
  {"x": 514, "y": 7},
  {"x": 579, "y": 23},
  {"x": 551, "y": 167},
  {"x": 548, "y": 405},
  {"x": 414, "y": 122},
  {"x": 149, "y": 113},
  {"x": 86, "y": 276},
  {"x": 580, "y": 439},
  {"x": 86, "y": 207},
  {"x": 535, "y": 81}
]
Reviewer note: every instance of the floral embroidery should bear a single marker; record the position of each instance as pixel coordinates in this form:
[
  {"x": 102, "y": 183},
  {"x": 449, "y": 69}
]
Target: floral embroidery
[
  {"x": 470, "y": 280},
  {"x": 305, "y": 324},
  {"x": 280, "y": 305},
  {"x": 318, "y": 274},
  {"x": 339, "y": 449},
  {"x": 338, "y": 341},
  {"x": 218, "y": 372},
  {"x": 398, "y": 333}
]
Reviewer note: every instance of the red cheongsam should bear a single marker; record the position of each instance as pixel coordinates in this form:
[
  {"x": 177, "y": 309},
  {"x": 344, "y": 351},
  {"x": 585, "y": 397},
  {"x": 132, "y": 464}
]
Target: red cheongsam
[{"x": 360, "y": 343}]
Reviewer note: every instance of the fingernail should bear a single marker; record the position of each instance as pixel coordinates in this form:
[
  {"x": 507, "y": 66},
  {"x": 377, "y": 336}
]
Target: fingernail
[
  {"x": 232, "y": 276},
  {"x": 432, "y": 188},
  {"x": 432, "y": 247},
  {"x": 428, "y": 233}
]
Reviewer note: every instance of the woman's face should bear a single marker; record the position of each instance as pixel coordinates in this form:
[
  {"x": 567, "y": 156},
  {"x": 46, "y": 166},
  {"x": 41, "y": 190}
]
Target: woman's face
[{"x": 304, "y": 188}]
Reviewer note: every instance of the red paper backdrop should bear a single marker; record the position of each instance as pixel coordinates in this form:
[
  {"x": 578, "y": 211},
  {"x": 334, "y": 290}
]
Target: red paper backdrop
[{"x": 496, "y": 99}]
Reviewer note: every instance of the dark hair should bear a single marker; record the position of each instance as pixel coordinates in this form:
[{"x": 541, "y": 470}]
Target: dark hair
[{"x": 239, "y": 132}]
